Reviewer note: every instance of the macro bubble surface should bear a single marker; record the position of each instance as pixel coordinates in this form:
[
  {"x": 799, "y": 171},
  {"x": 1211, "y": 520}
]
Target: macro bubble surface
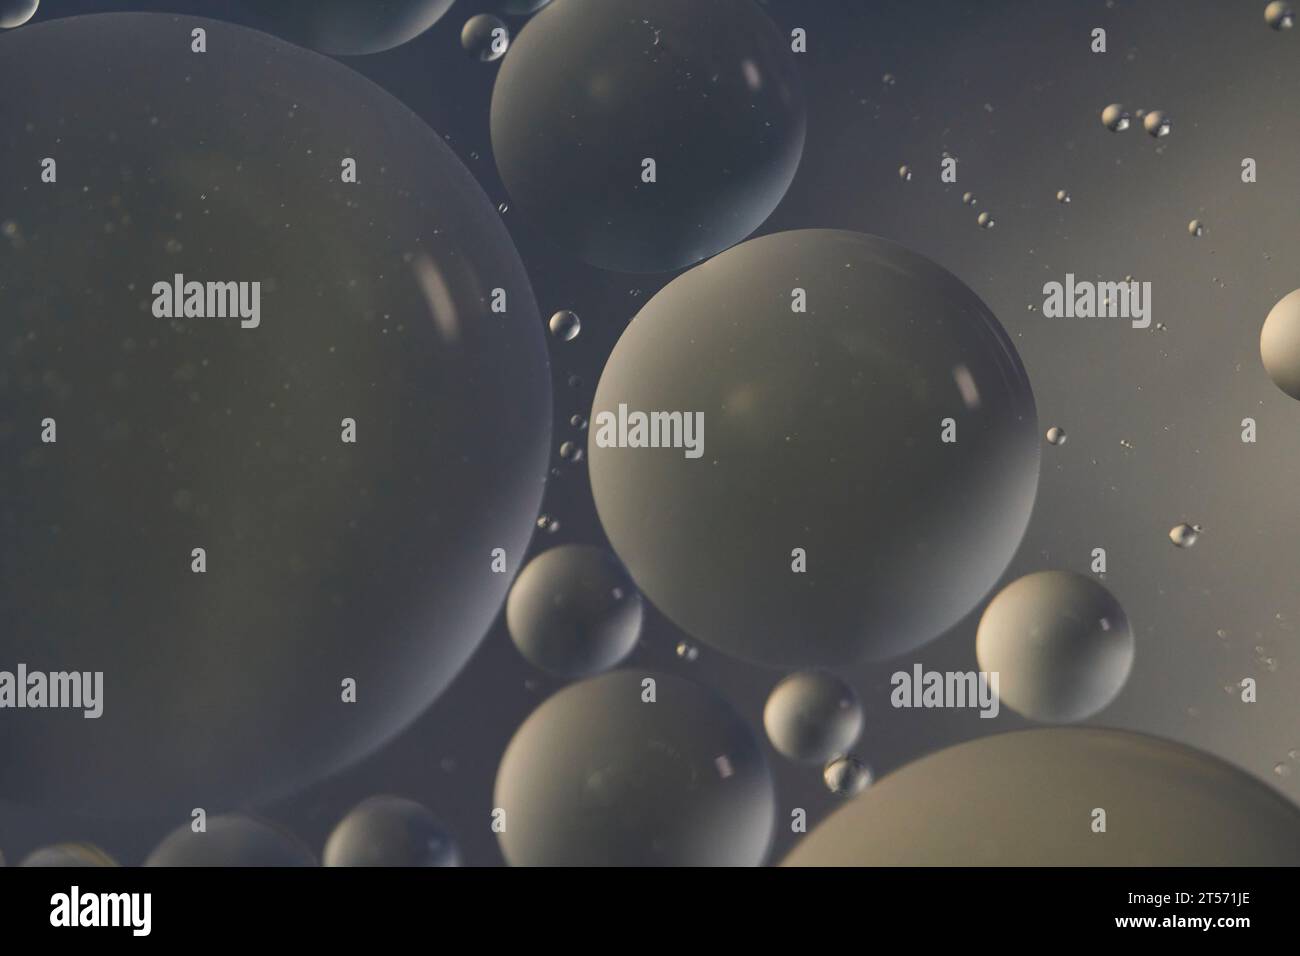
[
  {"x": 344, "y": 27},
  {"x": 812, "y": 716},
  {"x": 232, "y": 839},
  {"x": 1279, "y": 344},
  {"x": 822, "y": 448},
  {"x": 14, "y": 13},
  {"x": 598, "y": 776},
  {"x": 1060, "y": 644},
  {"x": 485, "y": 37},
  {"x": 1028, "y": 798},
  {"x": 324, "y": 559},
  {"x": 63, "y": 855},
  {"x": 707, "y": 91},
  {"x": 390, "y": 831},
  {"x": 573, "y": 611}
]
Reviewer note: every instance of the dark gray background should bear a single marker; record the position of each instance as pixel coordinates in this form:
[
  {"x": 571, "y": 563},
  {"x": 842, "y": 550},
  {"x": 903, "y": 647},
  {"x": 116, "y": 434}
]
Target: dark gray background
[{"x": 1013, "y": 91}]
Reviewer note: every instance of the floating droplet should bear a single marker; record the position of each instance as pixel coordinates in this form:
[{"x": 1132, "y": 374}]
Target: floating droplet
[
  {"x": 1278, "y": 14},
  {"x": 1115, "y": 118},
  {"x": 14, "y": 13},
  {"x": 1056, "y": 435},
  {"x": 578, "y": 422},
  {"x": 812, "y": 716},
  {"x": 565, "y": 325},
  {"x": 485, "y": 37},
  {"x": 1279, "y": 344},
  {"x": 1184, "y": 535},
  {"x": 968, "y": 198},
  {"x": 571, "y": 451},
  {"x": 390, "y": 831},
  {"x": 687, "y": 652},
  {"x": 1282, "y": 770},
  {"x": 1157, "y": 123},
  {"x": 1196, "y": 228},
  {"x": 548, "y": 524},
  {"x": 905, "y": 173},
  {"x": 1063, "y": 196},
  {"x": 231, "y": 839},
  {"x": 985, "y": 221},
  {"x": 846, "y": 776}
]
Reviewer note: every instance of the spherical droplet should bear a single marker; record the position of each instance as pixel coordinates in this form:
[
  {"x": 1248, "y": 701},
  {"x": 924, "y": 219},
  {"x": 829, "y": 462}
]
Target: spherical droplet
[
  {"x": 571, "y": 451},
  {"x": 1196, "y": 228},
  {"x": 755, "y": 551},
  {"x": 68, "y": 855},
  {"x": 1279, "y": 15},
  {"x": 1063, "y": 196},
  {"x": 671, "y": 134},
  {"x": 344, "y": 27},
  {"x": 600, "y": 776},
  {"x": 231, "y": 839},
  {"x": 812, "y": 716},
  {"x": 1282, "y": 769},
  {"x": 1056, "y": 435},
  {"x": 846, "y": 776},
  {"x": 1060, "y": 643},
  {"x": 485, "y": 37},
  {"x": 985, "y": 221},
  {"x": 968, "y": 198},
  {"x": 390, "y": 831},
  {"x": 548, "y": 524},
  {"x": 905, "y": 173},
  {"x": 14, "y": 13},
  {"x": 325, "y": 560},
  {"x": 1028, "y": 798},
  {"x": 1115, "y": 118},
  {"x": 687, "y": 652},
  {"x": 578, "y": 422},
  {"x": 573, "y": 611},
  {"x": 565, "y": 325},
  {"x": 1184, "y": 535},
  {"x": 1279, "y": 344},
  {"x": 1157, "y": 123}
]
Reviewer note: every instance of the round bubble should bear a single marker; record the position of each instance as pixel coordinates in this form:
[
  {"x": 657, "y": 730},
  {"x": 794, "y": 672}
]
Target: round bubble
[
  {"x": 1184, "y": 535},
  {"x": 1157, "y": 123},
  {"x": 1060, "y": 644},
  {"x": 1063, "y": 196},
  {"x": 1279, "y": 344},
  {"x": 68, "y": 855},
  {"x": 232, "y": 839},
  {"x": 322, "y": 558},
  {"x": 574, "y": 612},
  {"x": 804, "y": 508},
  {"x": 344, "y": 27},
  {"x": 812, "y": 716},
  {"x": 1057, "y": 436},
  {"x": 846, "y": 776},
  {"x": 14, "y": 13},
  {"x": 1196, "y": 228},
  {"x": 390, "y": 831},
  {"x": 1115, "y": 118},
  {"x": 1279, "y": 15},
  {"x": 599, "y": 775},
  {"x": 565, "y": 325},
  {"x": 1027, "y": 799},
  {"x": 485, "y": 37},
  {"x": 645, "y": 138},
  {"x": 985, "y": 221}
]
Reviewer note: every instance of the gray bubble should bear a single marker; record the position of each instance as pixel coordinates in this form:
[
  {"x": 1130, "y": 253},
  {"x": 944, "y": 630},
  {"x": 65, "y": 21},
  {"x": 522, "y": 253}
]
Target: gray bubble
[
  {"x": 1060, "y": 644},
  {"x": 1279, "y": 15},
  {"x": 565, "y": 325},
  {"x": 687, "y": 652},
  {"x": 1196, "y": 228},
  {"x": 548, "y": 524},
  {"x": 1184, "y": 535},
  {"x": 14, "y": 13},
  {"x": 1057, "y": 436},
  {"x": 1115, "y": 118},
  {"x": 985, "y": 220},
  {"x": 1027, "y": 799},
  {"x": 1157, "y": 123},
  {"x": 68, "y": 855},
  {"x": 571, "y": 451},
  {"x": 578, "y": 422},
  {"x": 1279, "y": 344},
  {"x": 485, "y": 37},
  {"x": 707, "y": 90},
  {"x": 390, "y": 831},
  {"x": 846, "y": 776},
  {"x": 344, "y": 27},
  {"x": 902, "y": 533},
  {"x": 1063, "y": 196},
  {"x": 231, "y": 839},
  {"x": 598, "y": 777},
  {"x": 325, "y": 560},
  {"x": 573, "y": 611},
  {"x": 812, "y": 716},
  {"x": 968, "y": 198},
  {"x": 905, "y": 173}
]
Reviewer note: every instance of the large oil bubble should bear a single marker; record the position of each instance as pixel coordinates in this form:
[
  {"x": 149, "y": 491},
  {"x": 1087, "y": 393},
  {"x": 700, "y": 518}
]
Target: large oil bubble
[
  {"x": 63, "y": 855},
  {"x": 230, "y": 840},
  {"x": 390, "y": 831},
  {"x": 645, "y": 137},
  {"x": 599, "y": 775},
  {"x": 812, "y": 716},
  {"x": 14, "y": 13},
  {"x": 347, "y": 463},
  {"x": 345, "y": 27},
  {"x": 846, "y": 449},
  {"x": 574, "y": 612},
  {"x": 1031, "y": 799},
  {"x": 1060, "y": 644},
  {"x": 1279, "y": 344}
]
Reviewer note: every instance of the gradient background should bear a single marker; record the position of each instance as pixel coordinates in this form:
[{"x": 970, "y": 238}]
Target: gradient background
[{"x": 1013, "y": 91}]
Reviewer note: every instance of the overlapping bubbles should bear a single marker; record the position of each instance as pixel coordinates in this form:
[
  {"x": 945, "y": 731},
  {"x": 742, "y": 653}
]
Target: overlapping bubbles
[{"x": 323, "y": 560}]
